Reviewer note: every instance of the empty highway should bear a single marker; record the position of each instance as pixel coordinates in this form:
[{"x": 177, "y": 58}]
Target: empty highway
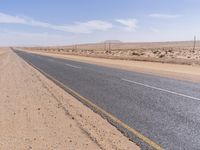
[{"x": 164, "y": 110}]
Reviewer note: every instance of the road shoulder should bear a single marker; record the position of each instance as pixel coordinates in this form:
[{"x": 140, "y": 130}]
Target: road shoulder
[{"x": 44, "y": 116}]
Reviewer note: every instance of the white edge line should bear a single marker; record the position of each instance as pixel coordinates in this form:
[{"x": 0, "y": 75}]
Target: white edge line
[
  {"x": 50, "y": 59},
  {"x": 73, "y": 66},
  {"x": 160, "y": 89}
]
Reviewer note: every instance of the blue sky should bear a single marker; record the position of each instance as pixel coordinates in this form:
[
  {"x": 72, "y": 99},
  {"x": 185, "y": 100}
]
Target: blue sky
[{"x": 62, "y": 22}]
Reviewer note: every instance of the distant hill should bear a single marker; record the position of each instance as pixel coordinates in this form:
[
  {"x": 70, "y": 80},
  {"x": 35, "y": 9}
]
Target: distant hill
[{"x": 112, "y": 41}]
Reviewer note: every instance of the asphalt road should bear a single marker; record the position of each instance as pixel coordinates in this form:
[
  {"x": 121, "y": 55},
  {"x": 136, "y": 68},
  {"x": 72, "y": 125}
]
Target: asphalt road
[{"x": 165, "y": 110}]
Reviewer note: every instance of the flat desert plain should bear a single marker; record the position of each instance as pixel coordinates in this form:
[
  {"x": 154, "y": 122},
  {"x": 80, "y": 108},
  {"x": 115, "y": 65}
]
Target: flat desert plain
[
  {"x": 165, "y": 52},
  {"x": 37, "y": 114}
]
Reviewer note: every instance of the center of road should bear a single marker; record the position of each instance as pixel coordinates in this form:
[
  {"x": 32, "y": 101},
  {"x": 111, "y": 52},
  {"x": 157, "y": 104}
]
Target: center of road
[{"x": 160, "y": 89}]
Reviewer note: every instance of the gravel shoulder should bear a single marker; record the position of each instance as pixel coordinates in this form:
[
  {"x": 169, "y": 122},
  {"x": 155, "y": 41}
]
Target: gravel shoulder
[{"x": 37, "y": 114}]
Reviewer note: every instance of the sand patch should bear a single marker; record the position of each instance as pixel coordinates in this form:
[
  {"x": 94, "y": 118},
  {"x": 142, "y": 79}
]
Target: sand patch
[{"x": 37, "y": 114}]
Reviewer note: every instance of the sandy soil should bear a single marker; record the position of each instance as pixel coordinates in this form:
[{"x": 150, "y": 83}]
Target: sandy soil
[
  {"x": 176, "y": 71},
  {"x": 37, "y": 114}
]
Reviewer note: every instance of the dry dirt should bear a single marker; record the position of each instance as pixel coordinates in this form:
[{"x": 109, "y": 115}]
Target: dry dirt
[
  {"x": 176, "y": 71},
  {"x": 37, "y": 114}
]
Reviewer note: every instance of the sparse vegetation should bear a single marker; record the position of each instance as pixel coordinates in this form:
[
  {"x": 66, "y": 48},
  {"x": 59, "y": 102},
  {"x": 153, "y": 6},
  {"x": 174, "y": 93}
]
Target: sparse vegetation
[{"x": 171, "y": 52}]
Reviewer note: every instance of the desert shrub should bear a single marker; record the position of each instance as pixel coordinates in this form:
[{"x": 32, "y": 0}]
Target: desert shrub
[
  {"x": 135, "y": 53},
  {"x": 162, "y": 55}
]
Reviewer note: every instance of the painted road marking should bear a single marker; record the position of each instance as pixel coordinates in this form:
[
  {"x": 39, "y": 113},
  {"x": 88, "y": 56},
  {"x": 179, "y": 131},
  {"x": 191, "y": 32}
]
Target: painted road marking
[
  {"x": 160, "y": 89},
  {"x": 73, "y": 66}
]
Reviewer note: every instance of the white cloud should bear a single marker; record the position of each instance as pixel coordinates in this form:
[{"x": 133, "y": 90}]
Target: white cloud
[
  {"x": 78, "y": 27},
  {"x": 164, "y": 16},
  {"x": 4, "y": 18},
  {"x": 129, "y": 24},
  {"x": 85, "y": 27}
]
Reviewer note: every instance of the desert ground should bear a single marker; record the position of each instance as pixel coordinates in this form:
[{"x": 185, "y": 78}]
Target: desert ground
[
  {"x": 37, "y": 114},
  {"x": 165, "y": 52}
]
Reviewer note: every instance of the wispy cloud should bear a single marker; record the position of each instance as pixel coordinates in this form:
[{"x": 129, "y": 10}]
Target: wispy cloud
[
  {"x": 77, "y": 27},
  {"x": 164, "y": 16},
  {"x": 129, "y": 24},
  {"x": 85, "y": 27},
  {"x": 4, "y": 18}
]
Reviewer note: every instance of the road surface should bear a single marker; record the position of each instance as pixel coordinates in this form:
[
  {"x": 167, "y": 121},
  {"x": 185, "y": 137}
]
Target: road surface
[{"x": 164, "y": 110}]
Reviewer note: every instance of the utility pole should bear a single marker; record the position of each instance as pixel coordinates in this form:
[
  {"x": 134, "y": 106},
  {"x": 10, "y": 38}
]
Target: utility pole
[
  {"x": 75, "y": 47},
  {"x": 194, "y": 43},
  {"x": 109, "y": 46},
  {"x": 104, "y": 43}
]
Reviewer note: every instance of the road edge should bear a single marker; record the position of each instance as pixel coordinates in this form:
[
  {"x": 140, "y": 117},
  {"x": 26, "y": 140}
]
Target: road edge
[{"x": 141, "y": 140}]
